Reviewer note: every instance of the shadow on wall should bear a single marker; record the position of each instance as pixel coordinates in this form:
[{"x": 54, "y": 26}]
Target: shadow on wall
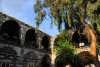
[{"x": 46, "y": 61}]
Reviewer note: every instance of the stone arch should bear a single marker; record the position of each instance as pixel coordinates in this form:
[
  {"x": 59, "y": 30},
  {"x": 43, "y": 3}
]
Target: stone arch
[
  {"x": 30, "y": 39},
  {"x": 79, "y": 38},
  {"x": 30, "y": 57},
  {"x": 8, "y": 50},
  {"x": 45, "y": 42},
  {"x": 69, "y": 34},
  {"x": 46, "y": 61},
  {"x": 11, "y": 31},
  {"x": 53, "y": 44},
  {"x": 31, "y": 54},
  {"x": 57, "y": 64}
]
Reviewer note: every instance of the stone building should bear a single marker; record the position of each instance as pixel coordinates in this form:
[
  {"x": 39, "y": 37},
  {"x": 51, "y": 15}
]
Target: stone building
[{"x": 20, "y": 46}]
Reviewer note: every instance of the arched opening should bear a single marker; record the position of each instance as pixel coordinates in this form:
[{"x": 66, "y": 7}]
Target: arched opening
[
  {"x": 30, "y": 59},
  {"x": 30, "y": 39},
  {"x": 31, "y": 55},
  {"x": 45, "y": 42},
  {"x": 59, "y": 63},
  {"x": 8, "y": 50},
  {"x": 8, "y": 54},
  {"x": 79, "y": 38},
  {"x": 76, "y": 37},
  {"x": 10, "y": 32},
  {"x": 46, "y": 61}
]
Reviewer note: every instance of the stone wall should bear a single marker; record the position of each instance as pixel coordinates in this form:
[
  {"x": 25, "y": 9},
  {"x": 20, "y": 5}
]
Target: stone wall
[{"x": 24, "y": 55}]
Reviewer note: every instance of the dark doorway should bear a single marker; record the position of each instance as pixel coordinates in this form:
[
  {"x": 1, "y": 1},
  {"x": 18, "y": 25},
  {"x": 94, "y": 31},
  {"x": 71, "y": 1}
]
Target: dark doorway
[
  {"x": 46, "y": 61},
  {"x": 45, "y": 42}
]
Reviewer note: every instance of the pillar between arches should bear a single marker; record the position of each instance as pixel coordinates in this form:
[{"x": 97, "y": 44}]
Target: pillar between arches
[
  {"x": 40, "y": 43},
  {"x": 22, "y": 36}
]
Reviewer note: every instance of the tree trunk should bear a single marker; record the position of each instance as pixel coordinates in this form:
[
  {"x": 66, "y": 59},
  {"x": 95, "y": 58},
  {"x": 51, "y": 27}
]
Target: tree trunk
[
  {"x": 93, "y": 48},
  {"x": 93, "y": 45}
]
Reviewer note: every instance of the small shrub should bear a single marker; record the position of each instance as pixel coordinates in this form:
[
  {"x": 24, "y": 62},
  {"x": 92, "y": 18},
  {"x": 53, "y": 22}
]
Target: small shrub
[{"x": 64, "y": 49}]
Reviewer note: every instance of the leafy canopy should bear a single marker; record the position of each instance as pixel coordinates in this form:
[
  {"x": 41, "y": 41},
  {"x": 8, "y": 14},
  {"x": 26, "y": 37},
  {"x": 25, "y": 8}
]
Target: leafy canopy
[
  {"x": 71, "y": 12},
  {"x": 64, "y": 50}
]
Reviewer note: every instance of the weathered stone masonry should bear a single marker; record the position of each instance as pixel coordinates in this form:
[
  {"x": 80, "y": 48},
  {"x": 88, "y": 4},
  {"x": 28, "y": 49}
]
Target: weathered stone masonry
[{"x": 20, "y": 46}]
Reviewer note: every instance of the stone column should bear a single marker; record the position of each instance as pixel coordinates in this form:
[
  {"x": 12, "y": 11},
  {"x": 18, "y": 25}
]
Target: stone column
[
  {"x": 23, "y": 33},
  {"x": 40, "y": 36},
  {"x": 40, "y": 43},
  {"x": 23, "y": 39},
  {"x": 37, "y": 40},
  {"x": 53, "y": 53}
]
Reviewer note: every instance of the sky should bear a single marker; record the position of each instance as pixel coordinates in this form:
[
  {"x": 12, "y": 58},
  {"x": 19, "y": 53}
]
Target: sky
[{"x": 23, "y": 10}]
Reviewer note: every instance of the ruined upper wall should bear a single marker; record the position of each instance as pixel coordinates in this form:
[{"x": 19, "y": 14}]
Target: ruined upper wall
[{"x": 24, "y": 26}]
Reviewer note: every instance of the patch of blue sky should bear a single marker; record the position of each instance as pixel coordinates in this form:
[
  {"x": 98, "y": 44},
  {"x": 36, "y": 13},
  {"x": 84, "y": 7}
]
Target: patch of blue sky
[
  {"x": 23, "y": 10},
  {"x": 87, "y": 20}
]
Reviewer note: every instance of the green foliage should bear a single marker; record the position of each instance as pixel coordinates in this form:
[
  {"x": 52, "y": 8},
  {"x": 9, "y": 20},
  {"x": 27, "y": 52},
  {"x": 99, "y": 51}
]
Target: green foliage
[
  {"x": 60, "y": 39},
  {"x": 64, "y": 50},
  {"x": 68, "y": 11},
  {"x": 97, "y": 46},
  {"x": 38, "y": 65}
]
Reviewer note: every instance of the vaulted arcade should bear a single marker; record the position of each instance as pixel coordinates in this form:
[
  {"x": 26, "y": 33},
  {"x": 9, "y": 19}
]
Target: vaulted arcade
[{"x": 10, "y": 32}]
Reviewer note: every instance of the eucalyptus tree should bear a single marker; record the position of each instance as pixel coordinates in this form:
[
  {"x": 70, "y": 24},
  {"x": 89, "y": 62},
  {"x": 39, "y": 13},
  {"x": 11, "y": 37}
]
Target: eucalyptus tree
[{"x": 73, "y": 13}]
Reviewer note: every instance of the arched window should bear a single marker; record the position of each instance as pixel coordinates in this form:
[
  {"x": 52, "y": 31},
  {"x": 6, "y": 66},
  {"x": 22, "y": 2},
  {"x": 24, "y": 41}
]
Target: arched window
[
  {"x": 46, "y": 61},
  {"x": 10, "y": 32},
  {"x": 5, "y": 64},
  {"x": 30, "y": 64},
  {"x": 31, "y": 58},
  {"x": 61, "y": 64},
  {"x": 45, "y": 42},
  {"x": 78, "y": 39},
  {"x": 30, "y": 39}
]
